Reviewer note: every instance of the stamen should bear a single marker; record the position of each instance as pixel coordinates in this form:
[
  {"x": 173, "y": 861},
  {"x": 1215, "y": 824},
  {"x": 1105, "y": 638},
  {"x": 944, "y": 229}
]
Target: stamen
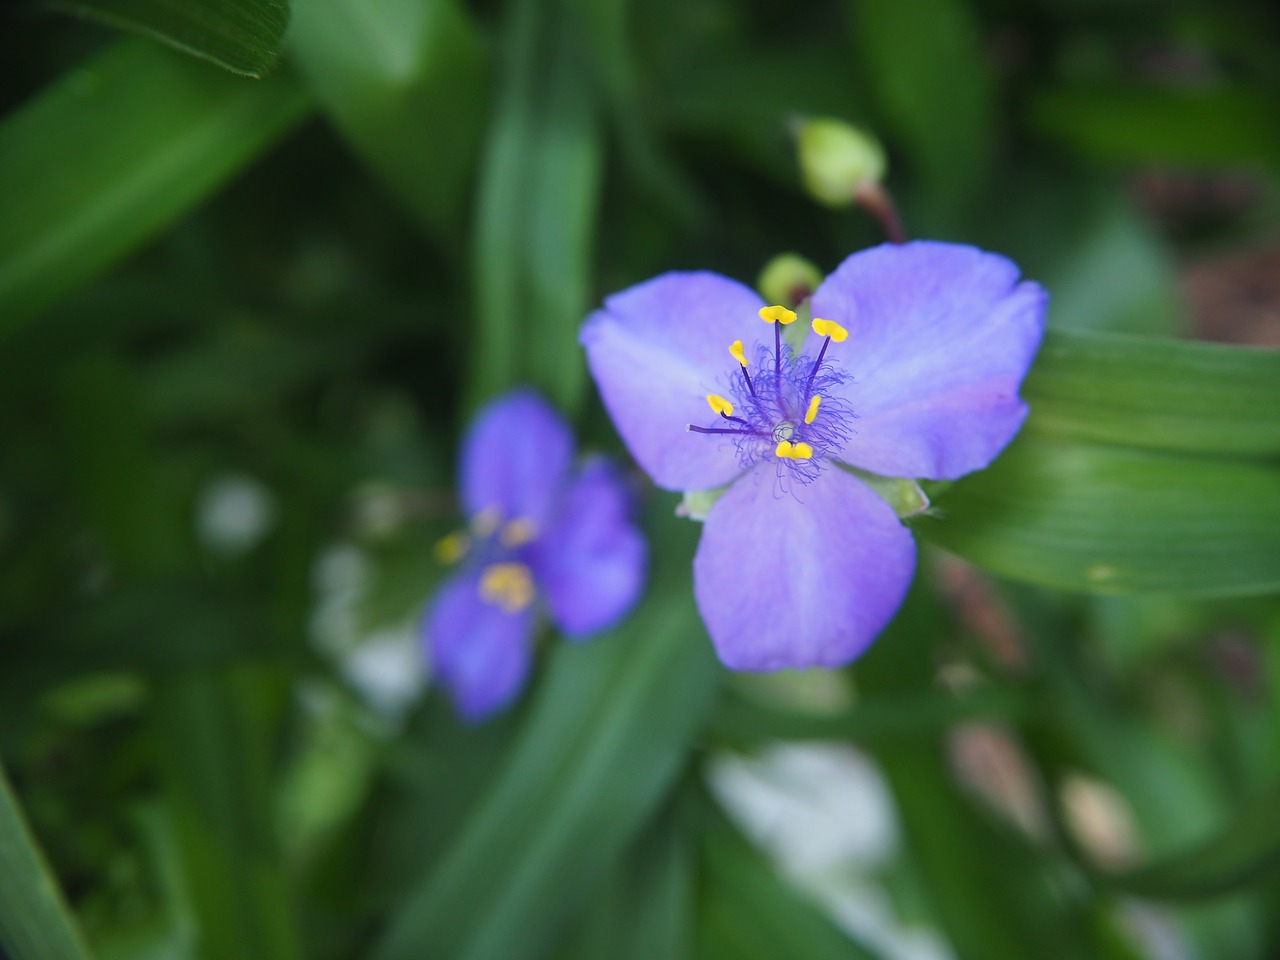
[
  {"x": 813, "y": 409},
  {"x": 508, "y": 586},
  {"x": 452, "y": 547},
  {"x": 777, "y": 314},
  {"x": 832, "y": 331},
  {"x": 719, "y": 404},
  {"x": 518, "y": 532},
  {"x": 740, "y": 355},
  {"x": 829, "y": 328},
  {"x": 793, "y": 451}
]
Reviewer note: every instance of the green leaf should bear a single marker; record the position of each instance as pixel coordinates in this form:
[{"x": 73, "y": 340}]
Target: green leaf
[
  {"x": 1245, "y": 852},
  {"x": 645, "y": 908},
  {"x": 988, "y": 889},
  {"x": 1208, "y": 127},
  {"x": 742, "y": 724},
  {"x": 606, "y": 735},
  {"x": 1115, "y": 520},
  {"x": 213, "y": 759},
  {"x": 111, "y": 154},
  {"x": 241, "y": 35},
  {"x": 750, "y": 913},
  {"x": 1160, "y": 394},
  {"x": 539, "y": 192},
  {"x": 35, "y": 923},
  {"x": 924, "y": 62},
  {"x": 406, "y": 83}
]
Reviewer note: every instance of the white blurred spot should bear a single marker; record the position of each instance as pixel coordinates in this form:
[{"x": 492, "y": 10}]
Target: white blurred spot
[
  {"x": 384, "y": 665},
  {"x": 825, "y": 816},
  {"x": 388, "y": 670},
  {"x": 233, "y": 513}
]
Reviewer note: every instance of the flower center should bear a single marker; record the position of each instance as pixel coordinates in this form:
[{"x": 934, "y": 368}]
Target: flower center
[
  {"x": 787, "y": 411},
  {"x": 508, "y": 586},
  {"x": 505, "y": 581}
]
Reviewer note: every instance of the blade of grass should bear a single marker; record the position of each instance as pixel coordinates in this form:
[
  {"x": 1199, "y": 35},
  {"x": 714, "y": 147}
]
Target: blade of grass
[
  {"x": 114, "y": 151},
  {"x": 35, "y": 922},
  {"x": 242, "y": 36}
]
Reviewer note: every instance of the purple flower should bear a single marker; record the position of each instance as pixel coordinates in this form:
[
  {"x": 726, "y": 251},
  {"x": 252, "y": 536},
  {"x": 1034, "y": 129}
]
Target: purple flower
[
  {"x": 912, "y": 371},
  {"x": 542, "y": 533}
]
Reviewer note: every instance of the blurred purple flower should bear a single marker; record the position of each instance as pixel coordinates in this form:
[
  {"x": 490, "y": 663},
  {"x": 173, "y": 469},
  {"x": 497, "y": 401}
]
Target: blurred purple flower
[
  {"x": 920, "y": 351},
  {"x": 542, "y": 533}
]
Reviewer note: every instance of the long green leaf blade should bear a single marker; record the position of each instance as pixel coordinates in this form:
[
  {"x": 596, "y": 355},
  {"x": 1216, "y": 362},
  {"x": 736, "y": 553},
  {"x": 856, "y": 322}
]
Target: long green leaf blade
[
  {"x": 539, "y": 191},
  {"x": 213, "y": 762},
  {"x": 241, "y": 35},
  {"x": 607, "y": 734},
  {"x": 1113, "y": 520},
  {"x": 405, "y": 82},
  {"x": 1163, "y": 394},
  {"x": 35, "y": 923},
  {"x": 112, "y": 153}
]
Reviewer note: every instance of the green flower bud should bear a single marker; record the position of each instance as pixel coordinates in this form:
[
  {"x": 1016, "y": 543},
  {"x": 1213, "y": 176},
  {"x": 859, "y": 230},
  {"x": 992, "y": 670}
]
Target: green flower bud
[
  {"x": 788, "y": 279},
  {"x": 838, "y": 160}
]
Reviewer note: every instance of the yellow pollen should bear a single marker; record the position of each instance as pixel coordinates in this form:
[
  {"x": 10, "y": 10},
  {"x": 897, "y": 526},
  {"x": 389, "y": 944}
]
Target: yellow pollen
[
  {"x": 518, "y": 532},
  {"x": 738, "y": 353},
  {"x": 777, "y": 314},
  {"x": 829, "y": 328},
  {"x": 452, "y": 547},
  {"x": 508, "y": 586},
  {"x": 793, "y": 451},
  {"x": 719, "y": 404},
  {"x": 813, "y": 409},
  {"x": 484, "y": 523}
]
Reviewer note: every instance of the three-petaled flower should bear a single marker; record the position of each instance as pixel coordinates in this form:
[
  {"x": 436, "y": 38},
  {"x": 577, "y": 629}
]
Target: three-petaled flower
[
  {"x": 919, "y": 353},
  {"x": 542, "y": 532}
]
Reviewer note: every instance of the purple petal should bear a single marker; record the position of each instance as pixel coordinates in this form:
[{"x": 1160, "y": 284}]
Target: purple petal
[
  {"x": 785, "y": 583},
  {"x": 479, "y": 652},
  {"x": 656, "y": 350},
  {"x": 515, "y": 457},
  {"x": 591, "y": 563},
  {"x": 940, "y": 337}
]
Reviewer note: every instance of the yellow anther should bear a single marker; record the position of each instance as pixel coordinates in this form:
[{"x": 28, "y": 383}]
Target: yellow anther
[
  {"x": 508, "y": 586},
  {"x": 829, "y": 328},
  {"x": 484, "y": 523},
  {"x": 452, "y": 547},
  {"x": 793, "y": 451},
  {"x": 813, "y": 409},
  {"x": 738, "y": 353},
  {"x": 719, "y": 404},
  {"x": 777, "y": 314},
  {"x": 518, "y": 532}
]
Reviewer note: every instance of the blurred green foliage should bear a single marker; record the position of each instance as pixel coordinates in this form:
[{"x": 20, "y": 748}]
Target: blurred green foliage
[{"x": 242, "y": 323}]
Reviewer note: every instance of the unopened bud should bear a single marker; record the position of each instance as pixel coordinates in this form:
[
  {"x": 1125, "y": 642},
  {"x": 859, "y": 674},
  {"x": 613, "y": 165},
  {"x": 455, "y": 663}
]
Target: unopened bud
[
  {"x": 837, "y": 160},
  {"x": 788, "y": 280}
]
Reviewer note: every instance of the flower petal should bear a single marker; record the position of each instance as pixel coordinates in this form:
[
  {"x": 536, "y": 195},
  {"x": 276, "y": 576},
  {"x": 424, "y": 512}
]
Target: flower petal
[
  {"x": 786, "y": 581},
  {"x": 940, "y": 337},
  {"x": 478, "y": 651},
  {"x": 656, "y": 350},
  {"x": 591, "y": 562},
  {"x": 515, "y": 457}
]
